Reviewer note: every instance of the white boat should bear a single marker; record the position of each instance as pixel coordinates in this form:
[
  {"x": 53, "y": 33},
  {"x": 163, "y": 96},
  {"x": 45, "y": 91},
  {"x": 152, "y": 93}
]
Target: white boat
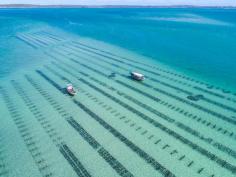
[
  {"x": 70, "y": 90},
  {"x": 137, "y": 76}
]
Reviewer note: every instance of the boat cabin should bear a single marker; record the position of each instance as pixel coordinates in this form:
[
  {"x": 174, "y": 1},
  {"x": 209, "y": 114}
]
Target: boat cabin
[
  {"x": 137, "y": 76},
  {"x": 70, "y": 90}
]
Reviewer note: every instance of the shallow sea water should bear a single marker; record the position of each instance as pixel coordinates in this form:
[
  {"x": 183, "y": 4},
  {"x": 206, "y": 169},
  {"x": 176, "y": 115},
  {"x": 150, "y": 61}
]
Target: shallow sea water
[{"x": 114, "y": 126}]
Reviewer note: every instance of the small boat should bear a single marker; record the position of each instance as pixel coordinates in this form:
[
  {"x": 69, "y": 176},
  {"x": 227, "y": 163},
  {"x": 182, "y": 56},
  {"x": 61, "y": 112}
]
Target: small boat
[
  {"x": 70, "y": 90},
  {"x": 137, "y": 76},
  {"x": 112, "y": 75},
  {"x": 192, "y": 98},
  {"x": 195, "y": 97}
]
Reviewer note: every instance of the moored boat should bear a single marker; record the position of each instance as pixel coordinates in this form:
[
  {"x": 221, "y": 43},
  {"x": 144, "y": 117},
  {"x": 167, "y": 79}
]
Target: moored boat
[
  {"x": 70, "y": 90},
  {"x": 137, "y": 76}
]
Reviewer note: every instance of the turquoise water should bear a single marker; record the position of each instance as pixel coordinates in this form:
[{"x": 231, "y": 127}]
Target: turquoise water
[
  {"x": 180, "y": 121},
  {"x": 198, "y": 41}
]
